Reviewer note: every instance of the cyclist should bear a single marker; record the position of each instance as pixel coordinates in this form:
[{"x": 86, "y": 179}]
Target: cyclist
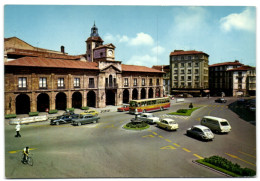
[{"x": 25, "y": 154}]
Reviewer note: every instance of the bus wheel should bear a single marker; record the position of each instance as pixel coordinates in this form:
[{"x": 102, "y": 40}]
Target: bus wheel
[
  {"x": 144, "y": 111},
  {"x": 161, "y": 108}
]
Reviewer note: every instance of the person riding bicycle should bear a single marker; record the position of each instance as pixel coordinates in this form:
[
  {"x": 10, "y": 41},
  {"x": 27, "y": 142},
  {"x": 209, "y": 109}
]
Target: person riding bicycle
[{"x": 25, "y": 154}]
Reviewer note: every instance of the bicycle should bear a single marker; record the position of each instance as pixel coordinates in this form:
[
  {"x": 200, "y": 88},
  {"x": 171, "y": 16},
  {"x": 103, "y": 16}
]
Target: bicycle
[{"x": 28, "y": 161}]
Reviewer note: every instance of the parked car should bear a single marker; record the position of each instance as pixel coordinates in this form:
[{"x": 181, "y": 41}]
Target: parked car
[
  {"x": 168, "y": 124},
  {"x": 221, "y": 100},
  {"x": 146, "y": 117},
  {"x": 123, "y": 108},
  {"x": 84, "y": 119},
  {"x": 64, "y": 119},
  {"x": 216, "y": 124},
  {"x": 90, "y": 111},
  {"x": 200, "y": 132}
]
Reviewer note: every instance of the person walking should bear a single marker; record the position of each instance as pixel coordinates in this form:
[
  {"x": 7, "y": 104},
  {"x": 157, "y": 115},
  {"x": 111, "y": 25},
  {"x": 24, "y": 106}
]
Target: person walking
[{"x": 17, "y": 128}]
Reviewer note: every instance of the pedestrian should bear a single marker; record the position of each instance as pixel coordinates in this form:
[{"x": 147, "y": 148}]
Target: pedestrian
[
  {"x": 190, "y": 106},
  {"x": 25, "y": 154},
  {"x": 17, "y": 128}
]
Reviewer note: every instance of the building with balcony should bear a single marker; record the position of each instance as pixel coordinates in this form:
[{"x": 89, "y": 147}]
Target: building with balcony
[
  {"x": 189, "y": 72},
  {"x": 166, "y": 78},
  {"x": 38, "y": 79},
  {"x": 232, "y": 79}
]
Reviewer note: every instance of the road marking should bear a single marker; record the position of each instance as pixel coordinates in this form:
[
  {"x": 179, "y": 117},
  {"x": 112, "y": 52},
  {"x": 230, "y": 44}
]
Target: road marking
[
  {"x": 185, "y": 149},
  {"x": 15, "y": 151},
  {"x": 109, "y": 126},
  {"x": 236, "y": 157},
  {"x": 199, "y": 157},
  {"x": 198, "y": 119},
  {"x": 155, "y": 133},
  {"x": 168, "y": 140},
  {"x": 168, "y": 147},
  {"x": 148, "y": 136},
  {"x": 247, "y": 154},
  {"x": 176, "y": 144},
  {"x": 160, "y": 136}
]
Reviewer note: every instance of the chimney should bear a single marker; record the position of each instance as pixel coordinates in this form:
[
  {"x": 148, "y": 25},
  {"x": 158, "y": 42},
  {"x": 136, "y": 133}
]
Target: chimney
[{"x": 62, "y": 49}]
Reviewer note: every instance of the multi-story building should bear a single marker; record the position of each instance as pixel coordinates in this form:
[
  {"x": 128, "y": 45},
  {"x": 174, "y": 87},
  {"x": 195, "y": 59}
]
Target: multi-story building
[
  {"x": 231, "y": 79},
  {"x": 36, "y": 79},
  {"x": 189, "y": 72},
  {"x": 166, "y": 78}
]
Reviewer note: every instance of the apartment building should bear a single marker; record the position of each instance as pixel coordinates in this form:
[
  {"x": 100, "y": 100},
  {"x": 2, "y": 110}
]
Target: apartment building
[{"x": 189, "y": 72}]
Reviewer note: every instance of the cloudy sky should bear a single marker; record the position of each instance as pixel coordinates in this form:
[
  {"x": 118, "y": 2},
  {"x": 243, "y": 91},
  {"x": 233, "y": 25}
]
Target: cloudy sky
[{"x": 143, "y": 35}]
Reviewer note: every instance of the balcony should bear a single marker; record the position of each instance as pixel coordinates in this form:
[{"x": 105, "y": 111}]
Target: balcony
[
  {"x": 91, "y": 85},
  {"x": 111, "y": 86}
]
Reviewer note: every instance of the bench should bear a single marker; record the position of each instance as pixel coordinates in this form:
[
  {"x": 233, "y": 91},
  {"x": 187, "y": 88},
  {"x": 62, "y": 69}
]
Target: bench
[{"x": 105, "y": 110}]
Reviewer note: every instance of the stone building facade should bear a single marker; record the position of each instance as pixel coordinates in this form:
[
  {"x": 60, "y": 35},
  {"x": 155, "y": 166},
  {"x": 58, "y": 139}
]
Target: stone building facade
[
  {"x": 38, "y": 79},
  {"x": 189, "y": 72},
  {"x": 232, "y": 79}
]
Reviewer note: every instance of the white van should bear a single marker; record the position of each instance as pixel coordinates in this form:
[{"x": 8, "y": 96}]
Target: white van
[{"x": 216, "y": 124}]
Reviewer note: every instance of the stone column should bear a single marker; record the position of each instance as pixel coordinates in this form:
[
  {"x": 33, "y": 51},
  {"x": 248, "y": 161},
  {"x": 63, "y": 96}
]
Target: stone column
[
  {"x": 139, "y": 93},
  {"x": 84, "y": 98},
  {"x": 33, "y": 104}
]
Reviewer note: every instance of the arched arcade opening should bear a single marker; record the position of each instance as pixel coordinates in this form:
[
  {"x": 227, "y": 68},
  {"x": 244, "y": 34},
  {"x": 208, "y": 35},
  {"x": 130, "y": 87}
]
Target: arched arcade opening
[
  {"x": 61, "y": 101},
  {"x": 76, "y": 100},
  {"x": 22, "y": 104},
  {"x": 43, "y": 102}
]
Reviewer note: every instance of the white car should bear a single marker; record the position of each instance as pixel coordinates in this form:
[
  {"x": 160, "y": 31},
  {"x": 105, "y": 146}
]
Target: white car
[
  {"x": 168, "y": 124},
  {"x": 146, "y": 117}
]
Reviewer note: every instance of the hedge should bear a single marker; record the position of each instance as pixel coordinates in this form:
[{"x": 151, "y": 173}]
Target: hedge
[
  {"x": 85, "y": 108},
  {"x": 33, "y": 113},
  {"x": 53, "y": 111},
  {"x": 184, "y": 112},
  {"x": 8, "y": 116},
  {"x": 229, "y": 166},
  {"x": 137, "y": 126},
  {"x": 70, "y": 109}
]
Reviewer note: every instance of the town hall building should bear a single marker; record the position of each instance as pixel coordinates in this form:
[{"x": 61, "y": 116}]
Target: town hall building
[{"x": 37, "y": 79}]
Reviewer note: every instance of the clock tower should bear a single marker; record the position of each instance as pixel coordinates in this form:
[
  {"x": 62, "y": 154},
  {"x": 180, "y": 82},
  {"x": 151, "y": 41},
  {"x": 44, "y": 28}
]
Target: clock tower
[{"x": 92, "y": 42}]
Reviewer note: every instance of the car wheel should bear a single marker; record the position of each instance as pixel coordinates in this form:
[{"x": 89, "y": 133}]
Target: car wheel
[
  {"x": 144, "y": 111},
  {"x": 95, "y": 121},
  {"x": 79, "y": 124},
  {"x": 161, "y": 108},
  {"x": 57, "y": 123}
]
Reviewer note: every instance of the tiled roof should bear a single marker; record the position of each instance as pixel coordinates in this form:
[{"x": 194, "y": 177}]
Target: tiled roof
[
  {"x": 51, "y": 63},
  {"x": 226, "y": 63},
  {"x": 245, "y": 68},
  {"x": 33, "y": 53},
  {"x": 137, "y": 68},
  {"x": 106, "y": 45},
  {"x": 182, "y": 52}
]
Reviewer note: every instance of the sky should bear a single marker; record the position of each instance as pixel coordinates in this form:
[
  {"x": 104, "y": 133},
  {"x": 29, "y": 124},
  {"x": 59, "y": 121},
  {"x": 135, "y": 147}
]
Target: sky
[{"x": 143, "y": 34}]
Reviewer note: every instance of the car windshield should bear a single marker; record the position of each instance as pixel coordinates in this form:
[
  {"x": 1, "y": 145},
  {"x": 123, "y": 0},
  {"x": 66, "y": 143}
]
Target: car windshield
[
  {"x": 171, "y": 122},
  {"x": 224, "y": 123},
  {"x": 206, "y": 130}
]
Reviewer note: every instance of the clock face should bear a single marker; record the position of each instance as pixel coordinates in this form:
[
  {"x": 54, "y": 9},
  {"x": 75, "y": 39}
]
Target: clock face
[{"x": 110, "y": 52}]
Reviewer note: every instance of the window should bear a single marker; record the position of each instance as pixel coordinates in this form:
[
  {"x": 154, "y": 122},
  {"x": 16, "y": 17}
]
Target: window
[
  {"x": 182, "y": 78},
  {"x": 189, "y": 71},
  {"x": 77, "y": 82},
  {"x": 182, "y": 64},
  {"x": 189, "y": 64},
  {"x": 42, "y": 82},
  {"x": 175, "y": 65},
  {"x": 196, "y": 71},
  {"x": 125, "y": 82},
  {"x": 135, "y": 81},
  {"x": 176, "y": 71},
  {"x": 189, "y": 78},
  {"x": 189, "y": 57},
  {"x": 175, "y": 77},
  {"x": 91, "y": 83},
  {"x": 175, "y": 58},
  {"x": 60, "y": 82},
  {"x": 143, "y": 82},
  {"x": 158, "y": 82},
  {"x": 151, "y": 82},
  {"x": 22, "y": 82},
  {"x": 182, "y": 71},
  {"x": 196, "y": 64}
]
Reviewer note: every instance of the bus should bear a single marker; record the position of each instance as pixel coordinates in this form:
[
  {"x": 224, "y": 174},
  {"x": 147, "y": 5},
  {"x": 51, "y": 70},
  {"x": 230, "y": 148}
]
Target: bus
[{"x": 148, "y": 105}]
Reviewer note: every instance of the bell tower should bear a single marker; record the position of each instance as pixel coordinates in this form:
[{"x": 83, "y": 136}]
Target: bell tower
[{"x": 92, "y": 42}]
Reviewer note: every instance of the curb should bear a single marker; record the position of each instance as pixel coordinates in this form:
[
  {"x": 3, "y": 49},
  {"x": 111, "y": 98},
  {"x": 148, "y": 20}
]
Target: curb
[{"x": 212, "y": 169}]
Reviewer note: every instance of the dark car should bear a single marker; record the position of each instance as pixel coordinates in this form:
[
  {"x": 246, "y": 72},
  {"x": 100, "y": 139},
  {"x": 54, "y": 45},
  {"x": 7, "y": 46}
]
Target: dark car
[
  {"x": 200, "y": 132},
  {"x": 221, "y": 100},
  {"x": 63, "y": 119},
  {"x": 84, "y": 119}
]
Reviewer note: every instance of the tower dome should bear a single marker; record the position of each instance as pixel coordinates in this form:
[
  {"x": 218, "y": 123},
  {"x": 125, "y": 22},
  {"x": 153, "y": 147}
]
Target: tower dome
[{"x": 94, "y": 31}]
